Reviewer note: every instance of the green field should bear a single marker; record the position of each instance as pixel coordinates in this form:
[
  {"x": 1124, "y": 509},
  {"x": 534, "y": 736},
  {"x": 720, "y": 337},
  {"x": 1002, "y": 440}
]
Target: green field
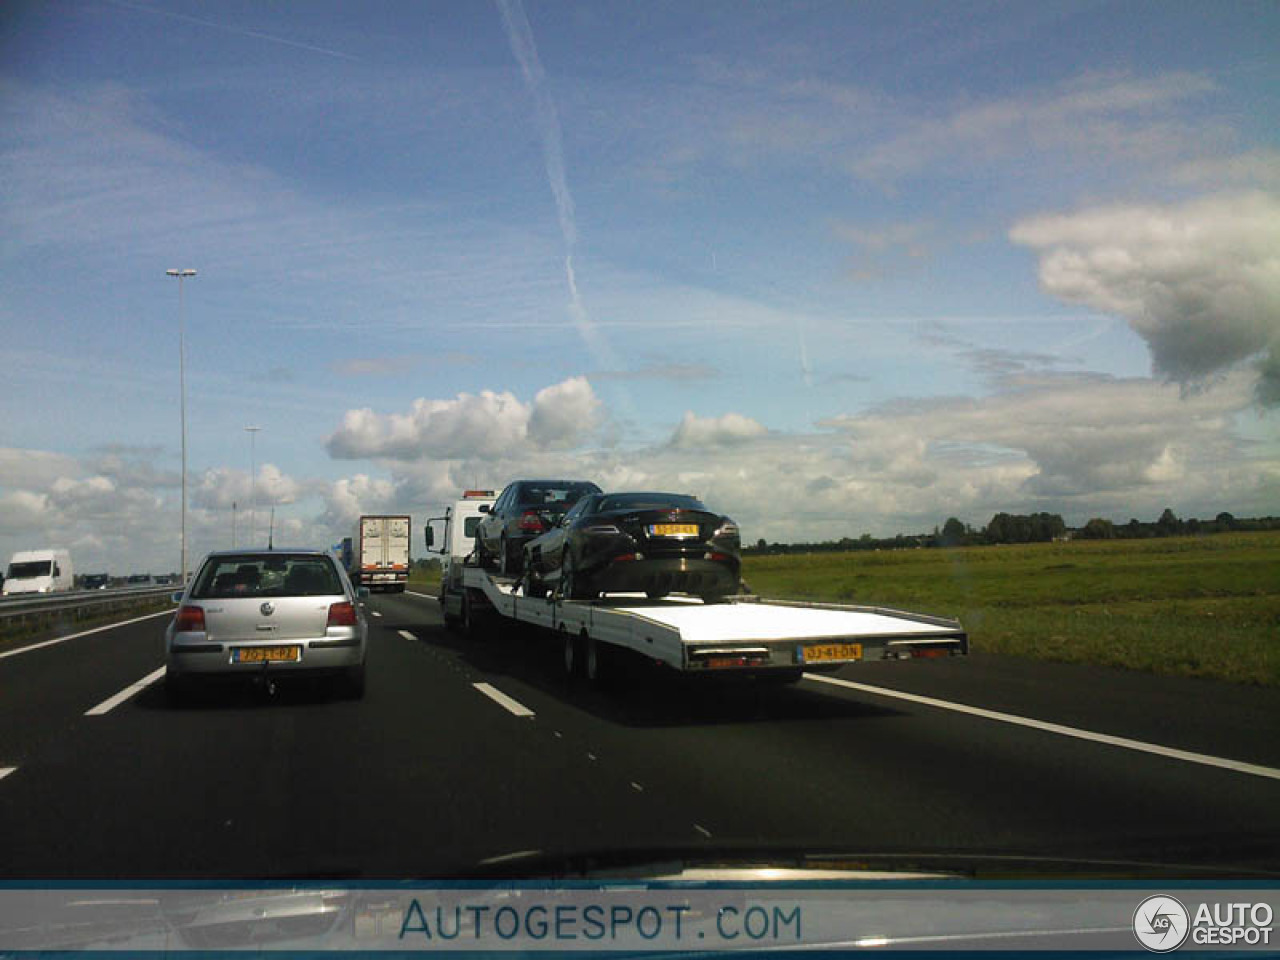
[{"x": 1195, "y": 606}]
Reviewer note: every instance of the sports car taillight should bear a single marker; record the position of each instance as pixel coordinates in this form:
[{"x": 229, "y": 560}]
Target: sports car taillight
[
  {"x": 189, "y": 620},
  {"x": 342, "y": 615},
  {"x": 530, "y": 522}
]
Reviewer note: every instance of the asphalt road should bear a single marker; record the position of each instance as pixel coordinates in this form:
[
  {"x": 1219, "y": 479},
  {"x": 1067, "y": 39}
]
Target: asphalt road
[{"x": 430, "y": 776}]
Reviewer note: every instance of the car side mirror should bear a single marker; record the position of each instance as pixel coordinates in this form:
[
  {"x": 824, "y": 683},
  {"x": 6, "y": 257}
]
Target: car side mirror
[
  {"x": 176, "y": 596},
  {"x": 484, "y": 508},
  {"x": 362, "y": 593},
  {"x": 430, "y": 536}
]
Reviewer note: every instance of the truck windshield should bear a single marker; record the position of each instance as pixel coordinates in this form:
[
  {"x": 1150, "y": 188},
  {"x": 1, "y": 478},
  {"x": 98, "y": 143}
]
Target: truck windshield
[{"x": 28, "y": 570}]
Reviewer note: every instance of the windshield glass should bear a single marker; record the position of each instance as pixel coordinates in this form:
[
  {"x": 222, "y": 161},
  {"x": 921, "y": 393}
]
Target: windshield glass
[
  {"x": 29, "y": 569},
  {"x": 960, "y": 319},
  {"x": 276, "y": 576}
]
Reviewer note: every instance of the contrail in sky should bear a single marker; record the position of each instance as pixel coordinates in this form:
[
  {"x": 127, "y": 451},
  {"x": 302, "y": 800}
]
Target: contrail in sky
[
  {"x": 520, "y": 35},
  {"x": 172, "y": 15}
]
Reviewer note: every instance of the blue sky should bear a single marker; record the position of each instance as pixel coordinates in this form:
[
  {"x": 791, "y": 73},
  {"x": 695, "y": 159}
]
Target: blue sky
[{"x": 836, "y": 267}]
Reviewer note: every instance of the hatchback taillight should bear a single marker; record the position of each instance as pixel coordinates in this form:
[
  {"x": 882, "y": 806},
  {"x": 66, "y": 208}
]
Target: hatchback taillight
[
  {"x": 189, "y": 620},
  {"x": 531, "y": 522},
  {"x": 342, "y": 615}
]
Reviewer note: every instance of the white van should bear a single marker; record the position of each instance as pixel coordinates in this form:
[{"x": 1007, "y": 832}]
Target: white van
[{"x": 39, "y": 571}]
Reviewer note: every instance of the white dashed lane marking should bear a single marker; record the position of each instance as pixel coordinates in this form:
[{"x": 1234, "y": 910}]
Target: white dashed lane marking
[
  {"x": 112, "y": 702},
  {"x": 500, "y": 698}
]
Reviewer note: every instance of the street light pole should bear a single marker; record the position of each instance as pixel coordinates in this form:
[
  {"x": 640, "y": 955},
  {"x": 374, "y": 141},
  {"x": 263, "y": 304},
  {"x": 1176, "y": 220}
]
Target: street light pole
[
  {"x": 253, "y": 484},
  {"x": 182, "y": 384}
]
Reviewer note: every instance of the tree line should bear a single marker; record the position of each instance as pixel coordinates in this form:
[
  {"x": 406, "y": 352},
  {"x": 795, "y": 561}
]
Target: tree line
[{"x": 1026, "y": 528}]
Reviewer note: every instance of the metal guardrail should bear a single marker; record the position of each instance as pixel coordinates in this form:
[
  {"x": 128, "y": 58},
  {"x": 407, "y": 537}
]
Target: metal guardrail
[{"x": 22, "y": 606}]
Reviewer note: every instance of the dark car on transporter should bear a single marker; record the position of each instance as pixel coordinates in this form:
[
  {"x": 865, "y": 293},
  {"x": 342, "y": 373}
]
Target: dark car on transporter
[
  {"x": 658, "y": 543},
  {"x": 524, "y": 510}
]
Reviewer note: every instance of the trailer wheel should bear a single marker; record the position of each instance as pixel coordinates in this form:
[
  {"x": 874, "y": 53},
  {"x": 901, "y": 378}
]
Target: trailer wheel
[
  {"x": 597, "y": 665},
  {"x": 468, "y": 622},
  {"x": 572, "y": 655}
]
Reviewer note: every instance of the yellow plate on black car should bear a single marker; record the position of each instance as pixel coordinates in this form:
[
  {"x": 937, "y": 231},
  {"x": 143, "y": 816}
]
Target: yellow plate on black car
[
  {"x": 821, "y": 652},
  {"x": 674, "y": 530},
  {"x": 265, "y": 654}
]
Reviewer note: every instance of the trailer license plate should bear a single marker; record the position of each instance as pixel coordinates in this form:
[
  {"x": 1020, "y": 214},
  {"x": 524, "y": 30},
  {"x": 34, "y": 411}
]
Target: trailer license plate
[
  {"x": 265, "y": 654},
  {"x": 819, "y": 652},
  {"x": 674, "y": 529}
]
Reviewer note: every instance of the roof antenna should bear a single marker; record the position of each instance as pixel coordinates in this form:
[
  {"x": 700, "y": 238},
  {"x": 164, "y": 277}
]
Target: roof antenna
[{"x": 271, "y": 530}]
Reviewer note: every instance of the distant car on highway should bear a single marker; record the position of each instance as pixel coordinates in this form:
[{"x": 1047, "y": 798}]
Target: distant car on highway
[
  {"x": 96, "y": 581},
  {"x": 659, "y": 543},
  {"x": 267, "y": 614},
  {"x": 525, "y": 509},
  {"x": 140, "y": 580}
]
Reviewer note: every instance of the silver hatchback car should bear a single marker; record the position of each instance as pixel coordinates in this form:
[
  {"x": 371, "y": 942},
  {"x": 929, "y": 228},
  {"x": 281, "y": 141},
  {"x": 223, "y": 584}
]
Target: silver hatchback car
[{"x": 268, "y": 613}]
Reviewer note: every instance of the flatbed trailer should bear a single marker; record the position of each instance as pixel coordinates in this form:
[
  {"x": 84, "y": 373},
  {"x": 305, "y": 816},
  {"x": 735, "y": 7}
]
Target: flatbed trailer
[{"x": 778, "y": 639}]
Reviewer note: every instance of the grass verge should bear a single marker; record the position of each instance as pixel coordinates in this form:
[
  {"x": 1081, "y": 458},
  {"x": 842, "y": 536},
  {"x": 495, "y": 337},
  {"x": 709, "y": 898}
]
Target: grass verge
[{"x": 1190, "y": 606}]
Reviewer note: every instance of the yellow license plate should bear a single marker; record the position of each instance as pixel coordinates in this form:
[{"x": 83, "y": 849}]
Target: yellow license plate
[
  {"x": 674, "y": 529},
  {"x": 819, "y": 652},
  {"x": 264, "y": 654}
]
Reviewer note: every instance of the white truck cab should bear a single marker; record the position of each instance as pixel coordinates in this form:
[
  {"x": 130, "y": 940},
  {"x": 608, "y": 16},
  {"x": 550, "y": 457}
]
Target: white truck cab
[
  {"x": 455, "y": 543},
  {"x": 39, "y": 571}
]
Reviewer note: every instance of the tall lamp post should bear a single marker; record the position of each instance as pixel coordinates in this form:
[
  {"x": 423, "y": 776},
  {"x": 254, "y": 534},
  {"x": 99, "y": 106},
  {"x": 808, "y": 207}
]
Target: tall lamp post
[
  {"x": 253, "y": 484},
  {"x": 182, "y": 381}
]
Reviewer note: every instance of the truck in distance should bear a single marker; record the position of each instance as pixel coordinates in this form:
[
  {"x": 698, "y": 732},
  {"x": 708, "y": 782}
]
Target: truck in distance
[{"x": 380, "y": 552}]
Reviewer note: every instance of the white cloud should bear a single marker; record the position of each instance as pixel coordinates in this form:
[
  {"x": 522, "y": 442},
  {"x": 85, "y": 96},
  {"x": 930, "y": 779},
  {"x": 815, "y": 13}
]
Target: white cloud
[
  {"x": 373, "y": 366},
  {"x": 563, "y": 414},
  {"x": 486, "y": 425},
  {"x": 1254, "y": 168},
  {"x": 1097, "y": 115},
  {"x": 34, "y": 468},
  {"x": 728, "y": 430},
  {"x": 1200, "y": 281},
  {"x": 218, "y": 488}
]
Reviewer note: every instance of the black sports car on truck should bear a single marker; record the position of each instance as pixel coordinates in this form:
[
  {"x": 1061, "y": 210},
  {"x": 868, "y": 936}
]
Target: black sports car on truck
[
  {"x": 524, "y": 510},
  {"x": 658, "y": 543}
]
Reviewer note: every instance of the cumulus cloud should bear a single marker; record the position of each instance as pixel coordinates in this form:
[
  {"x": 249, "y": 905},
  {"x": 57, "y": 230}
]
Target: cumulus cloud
[
  {"x": 1200, "y": 281},
  {"x": 346, "y": 499},
  {"x": 219, "y": 488},
  {"x": 728, "y": 430},
  {"x": 486, "y": 425}
]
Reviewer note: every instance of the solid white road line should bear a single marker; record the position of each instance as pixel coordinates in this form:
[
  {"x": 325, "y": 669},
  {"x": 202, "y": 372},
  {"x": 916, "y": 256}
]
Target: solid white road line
[
  {"x": 375, "y": 613},
  {"x": 415, "y": 593},
  {"x": 5, "y": 771},
  {"x": 406, "y": 634},
  {"x": 1125, "y": 743},
  {"x": 500, "y": 698},
  {"x": 112, "y": 702},
  {"x": 83, "y": 633}
]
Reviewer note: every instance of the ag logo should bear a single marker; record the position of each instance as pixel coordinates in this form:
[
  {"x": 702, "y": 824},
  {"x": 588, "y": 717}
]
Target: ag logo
[{"x": 1161, "y": 923}]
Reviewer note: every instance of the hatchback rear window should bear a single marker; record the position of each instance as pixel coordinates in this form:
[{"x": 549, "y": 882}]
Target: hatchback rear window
[{"x": 276, "y": 576}]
